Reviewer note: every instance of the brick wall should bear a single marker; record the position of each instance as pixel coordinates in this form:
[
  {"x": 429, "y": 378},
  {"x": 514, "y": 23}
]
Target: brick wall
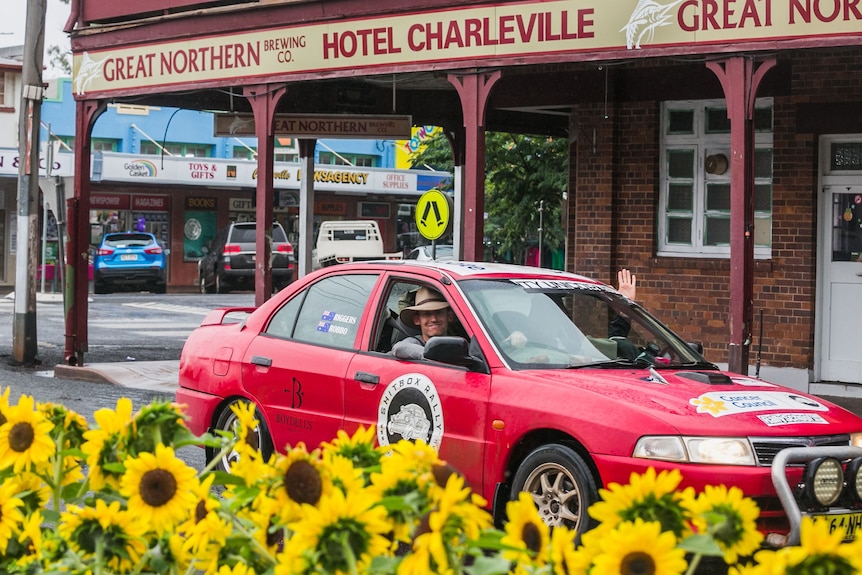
[{"x": 613, "y": 201}]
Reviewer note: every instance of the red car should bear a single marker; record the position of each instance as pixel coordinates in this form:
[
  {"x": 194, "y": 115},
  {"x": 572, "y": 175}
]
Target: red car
[{"x": 593, "y": 389}]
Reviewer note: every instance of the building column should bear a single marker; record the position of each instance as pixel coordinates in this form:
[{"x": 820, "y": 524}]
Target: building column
[
  {"x": 456, "y": 142},
  {"x": 473, "y": 90},
  {"x": 264, "y": 100},
  {"x": 306, "y": 207},
  {"x": 740, "y": 76},
  {"x": 77, "y": 280}
]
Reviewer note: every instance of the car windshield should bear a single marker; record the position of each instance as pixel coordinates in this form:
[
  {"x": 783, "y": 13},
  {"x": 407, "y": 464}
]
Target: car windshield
[{"x": 541, "y": 324}]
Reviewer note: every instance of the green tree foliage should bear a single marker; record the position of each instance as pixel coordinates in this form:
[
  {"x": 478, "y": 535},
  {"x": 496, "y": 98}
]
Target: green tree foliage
[{"x": 522, "y": 173}]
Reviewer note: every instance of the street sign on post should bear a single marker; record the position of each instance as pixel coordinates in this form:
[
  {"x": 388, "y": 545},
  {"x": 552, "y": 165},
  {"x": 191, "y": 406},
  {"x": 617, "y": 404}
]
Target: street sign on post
[{"x": 434, "y": 214}]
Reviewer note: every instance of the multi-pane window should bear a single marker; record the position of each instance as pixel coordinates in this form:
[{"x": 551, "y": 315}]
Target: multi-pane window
[
  {"x": 695, "y": 179},
  {"x": 181, "y": 150},
  {"x": 357, "y": 160},
  {"x": 3, "y": 79}
]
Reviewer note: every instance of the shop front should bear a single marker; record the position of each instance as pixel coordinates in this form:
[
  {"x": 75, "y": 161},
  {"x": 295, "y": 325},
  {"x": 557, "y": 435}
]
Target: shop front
[{"x": 186, "y": 202}]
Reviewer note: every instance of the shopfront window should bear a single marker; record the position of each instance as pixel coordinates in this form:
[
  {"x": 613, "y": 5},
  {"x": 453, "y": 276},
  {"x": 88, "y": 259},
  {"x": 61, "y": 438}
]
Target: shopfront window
[{"x": 695, "y": 179}]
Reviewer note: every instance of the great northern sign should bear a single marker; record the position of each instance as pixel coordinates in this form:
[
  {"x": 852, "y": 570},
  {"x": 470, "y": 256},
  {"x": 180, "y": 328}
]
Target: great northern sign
[{"x": 443, "y": 38}]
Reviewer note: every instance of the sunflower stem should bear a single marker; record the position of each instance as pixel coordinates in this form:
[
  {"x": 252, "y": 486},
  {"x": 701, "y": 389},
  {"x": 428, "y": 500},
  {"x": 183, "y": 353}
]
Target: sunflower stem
[
  {"x": 348, "y": 553},
  {"x": 100, "y": 552},
  {"x": 692, "y": 566},
  {"x": 214, "y": 461},
  {"x": 253, "y": 540}
]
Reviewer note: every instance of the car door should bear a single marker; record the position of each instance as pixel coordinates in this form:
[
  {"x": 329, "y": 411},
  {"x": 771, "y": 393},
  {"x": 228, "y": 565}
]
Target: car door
[
  {"x": 444, "y": 405},
  {"x": 295, "y": 368}
]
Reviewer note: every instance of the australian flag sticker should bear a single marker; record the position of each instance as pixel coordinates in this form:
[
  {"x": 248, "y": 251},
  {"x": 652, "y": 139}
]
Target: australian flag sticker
[
  {"x": 323, "y": 326},
  {"x": 328, "y": 316}
]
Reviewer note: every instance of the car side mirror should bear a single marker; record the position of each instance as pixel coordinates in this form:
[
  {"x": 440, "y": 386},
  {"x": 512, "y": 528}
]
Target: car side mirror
[
  {"x": 696, "y": 346},
  {"x": 454, "y": 351}
]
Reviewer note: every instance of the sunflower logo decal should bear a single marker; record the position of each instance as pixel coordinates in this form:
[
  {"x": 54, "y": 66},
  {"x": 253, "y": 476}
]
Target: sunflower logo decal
[{"x": 707, "y": 404}]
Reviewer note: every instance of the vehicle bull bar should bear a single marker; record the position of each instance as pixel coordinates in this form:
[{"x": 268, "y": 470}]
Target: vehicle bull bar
[{"x": 785, "y": 491}]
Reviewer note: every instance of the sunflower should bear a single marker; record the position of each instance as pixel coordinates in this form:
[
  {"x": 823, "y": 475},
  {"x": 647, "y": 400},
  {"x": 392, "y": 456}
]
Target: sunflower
[
  {"x": 525, "y": 531},
  {"x": 237, "y": 569},
  {"x": 106, "y": 529},
  {"x": 397, "y": 479},
  {"x": 160, "y": 488},
  {"x": 563, "y": 556},
  {"x": 301, "y": 479},
  {"x": 68, "y": 424},
  {"x": 10, "y": 514},
  {"x": 639, "y": 547},
  {"x": 464, "y": 510},
  {"x": 344, "y": 532},
  {"x": 30, "y": 539},
  {"x": 648, "y": 496},
  {"x": 31, "y": 489},
  {"x": 358, "y": 449},
  {"x": 730, "y": 518},
  {"x": 205, "y": 532},
  {"x": 25, "y": 440},
  {"x": 105, "y": 445},
  {"x": 819, "y": 551},
  {"x": 158, "y": 422},
  {"x": 345, "y": 475}
]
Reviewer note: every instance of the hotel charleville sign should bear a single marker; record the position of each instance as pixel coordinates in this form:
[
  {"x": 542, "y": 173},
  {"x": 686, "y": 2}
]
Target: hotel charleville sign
[{"x": 447, "y": 36}]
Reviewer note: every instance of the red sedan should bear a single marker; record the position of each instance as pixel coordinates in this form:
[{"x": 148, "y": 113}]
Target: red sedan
[{"x": 544, "y": 381}]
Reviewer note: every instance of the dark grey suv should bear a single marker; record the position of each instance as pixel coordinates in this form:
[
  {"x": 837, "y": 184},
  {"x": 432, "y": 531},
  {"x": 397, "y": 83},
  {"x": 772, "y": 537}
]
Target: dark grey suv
[{"x": 229, "y": 260}]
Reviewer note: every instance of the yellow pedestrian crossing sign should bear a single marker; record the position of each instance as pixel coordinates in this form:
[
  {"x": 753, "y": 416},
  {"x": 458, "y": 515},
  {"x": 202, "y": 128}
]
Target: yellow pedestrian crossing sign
[{"x": 433, "y": 214}]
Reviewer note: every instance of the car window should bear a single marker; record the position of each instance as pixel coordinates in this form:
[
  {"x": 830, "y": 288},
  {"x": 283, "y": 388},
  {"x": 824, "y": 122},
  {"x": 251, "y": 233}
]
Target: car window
[
  {"x": 332, "y": 309},
  {"x": 242, "y": 235},
  {"x": 283, "y": 321},
  {"x": 128, "y": 240},
  {"x": 390, "y": 329}
]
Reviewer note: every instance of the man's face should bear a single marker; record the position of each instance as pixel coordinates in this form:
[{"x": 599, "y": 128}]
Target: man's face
[{"x": 432, "y": 323}]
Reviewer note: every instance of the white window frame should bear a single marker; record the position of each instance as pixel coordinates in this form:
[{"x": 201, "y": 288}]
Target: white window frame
[{"x": 703, "y": 145}]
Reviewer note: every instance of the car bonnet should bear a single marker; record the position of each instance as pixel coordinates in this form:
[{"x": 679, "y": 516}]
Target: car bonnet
[{"x": 686, "y": 400}]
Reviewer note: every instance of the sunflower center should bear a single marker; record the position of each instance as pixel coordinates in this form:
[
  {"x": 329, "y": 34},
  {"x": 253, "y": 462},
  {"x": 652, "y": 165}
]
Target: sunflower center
[
  {"x": 532, "y": 537},
  {"x": 303, "y": 484},
  {"x": 21, "y": 436},
  {"x": 2, "y": 419},
  {"x": 637, "y": 563},
  {"x": 200, "y": 511},
  {"x": 157, "y": 487}
]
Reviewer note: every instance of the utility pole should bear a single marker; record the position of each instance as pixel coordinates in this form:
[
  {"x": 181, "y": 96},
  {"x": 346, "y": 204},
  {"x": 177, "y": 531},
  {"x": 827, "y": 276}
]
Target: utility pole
[{"x": 24, "y": 345}]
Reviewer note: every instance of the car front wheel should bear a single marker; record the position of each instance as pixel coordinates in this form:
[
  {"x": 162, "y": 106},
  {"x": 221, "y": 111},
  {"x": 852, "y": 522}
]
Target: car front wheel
[
  {"x": 220, "y": 285},
  {"x": 205, "y": 289},
  {"x": 228, "y": 421},
  {"x": 561, "y": 485}
]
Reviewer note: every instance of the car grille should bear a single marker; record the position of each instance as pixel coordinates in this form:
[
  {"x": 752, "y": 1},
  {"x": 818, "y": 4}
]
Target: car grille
[{"x": 767, "y": 447}]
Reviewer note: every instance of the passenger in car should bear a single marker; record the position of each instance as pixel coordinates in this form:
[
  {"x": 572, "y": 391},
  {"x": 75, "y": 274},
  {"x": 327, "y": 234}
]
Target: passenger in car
[{"x": 432, "y": 314}]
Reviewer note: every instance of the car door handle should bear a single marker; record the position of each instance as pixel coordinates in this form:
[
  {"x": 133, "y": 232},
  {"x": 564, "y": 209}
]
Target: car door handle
[
  {"x": 367, "y": 377},
  {"x": 262, "y": 361}
]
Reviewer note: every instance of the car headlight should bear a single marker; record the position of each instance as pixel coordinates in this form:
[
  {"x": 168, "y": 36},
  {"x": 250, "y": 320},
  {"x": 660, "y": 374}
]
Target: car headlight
[
  {"x": 711, "y": 450},
  {"x": 856, "y": 439}
]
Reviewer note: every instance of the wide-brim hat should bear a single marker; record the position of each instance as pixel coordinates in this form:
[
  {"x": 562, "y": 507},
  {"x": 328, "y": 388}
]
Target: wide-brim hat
[{"x": 426, "y": 299}]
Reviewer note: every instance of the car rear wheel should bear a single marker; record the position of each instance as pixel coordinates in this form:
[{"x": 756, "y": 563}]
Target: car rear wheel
[
  {"x": 229, "y": 422},
  {"x": 561, "y": 485},
  {"x": 100, "y": 288}
]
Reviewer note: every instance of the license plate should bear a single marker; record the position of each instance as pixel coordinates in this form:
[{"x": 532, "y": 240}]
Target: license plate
[
  {"x": 849, "y": 523},
  {"x": 128, "y": 257}
]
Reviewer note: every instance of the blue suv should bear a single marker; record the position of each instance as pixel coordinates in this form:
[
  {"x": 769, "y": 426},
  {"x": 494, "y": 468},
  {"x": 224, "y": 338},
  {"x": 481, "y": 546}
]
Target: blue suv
[{"x": 129, "y": 259}]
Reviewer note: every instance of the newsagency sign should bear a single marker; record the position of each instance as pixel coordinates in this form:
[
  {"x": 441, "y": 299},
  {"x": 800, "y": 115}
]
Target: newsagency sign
[
  {"x": 315, "y": 126},
  {"x": 448, "y": 36}
]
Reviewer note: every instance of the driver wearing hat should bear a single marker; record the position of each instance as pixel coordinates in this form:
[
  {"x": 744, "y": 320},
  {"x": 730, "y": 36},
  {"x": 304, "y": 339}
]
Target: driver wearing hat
[{"x": 432, "y": 314}]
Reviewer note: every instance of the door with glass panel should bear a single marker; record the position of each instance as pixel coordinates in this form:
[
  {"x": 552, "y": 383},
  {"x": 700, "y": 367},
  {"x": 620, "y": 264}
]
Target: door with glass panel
[{"x": 841, "y": 254}]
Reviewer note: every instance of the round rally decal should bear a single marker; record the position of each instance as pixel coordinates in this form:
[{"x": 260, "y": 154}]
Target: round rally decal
[{"x": 410, "y": 409}]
